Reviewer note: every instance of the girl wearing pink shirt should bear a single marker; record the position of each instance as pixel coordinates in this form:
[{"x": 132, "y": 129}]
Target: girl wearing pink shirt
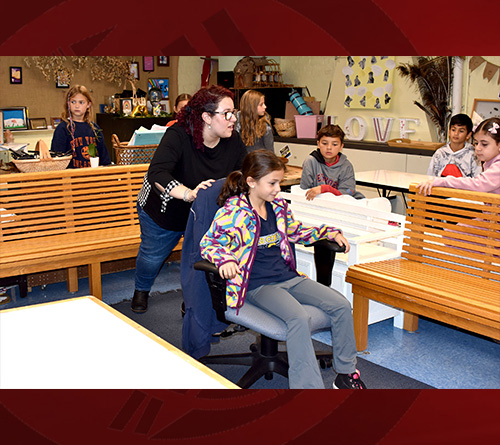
[{"x": 487, "y": 147}]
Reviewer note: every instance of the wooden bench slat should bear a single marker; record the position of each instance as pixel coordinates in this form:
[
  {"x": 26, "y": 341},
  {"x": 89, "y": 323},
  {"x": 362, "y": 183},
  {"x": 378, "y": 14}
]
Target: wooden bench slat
[
  {"x": 449, "y": 268},
  {"x": 69, "y": 218}
]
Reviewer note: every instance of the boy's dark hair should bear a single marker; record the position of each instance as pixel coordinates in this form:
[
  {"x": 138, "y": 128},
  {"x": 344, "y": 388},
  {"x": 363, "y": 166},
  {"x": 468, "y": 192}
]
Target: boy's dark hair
[
  {"x": 331, "y": 131},
  {"x": 462, "y": 120}
]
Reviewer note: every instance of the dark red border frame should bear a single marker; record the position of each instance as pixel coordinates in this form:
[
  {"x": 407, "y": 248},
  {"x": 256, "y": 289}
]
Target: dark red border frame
[{"x": 325, "y": 27}]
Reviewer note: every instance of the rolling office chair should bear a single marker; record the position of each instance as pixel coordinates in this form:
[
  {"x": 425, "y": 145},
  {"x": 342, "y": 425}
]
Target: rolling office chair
[{"x": 264, "y": 358}]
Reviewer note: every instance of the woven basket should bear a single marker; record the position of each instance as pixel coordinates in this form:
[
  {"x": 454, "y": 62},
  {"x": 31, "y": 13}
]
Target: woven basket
[
  {"x": 132, "y": 154},
  {"x": 44, "y": 164},
  {"x": 285, "y": 127}
]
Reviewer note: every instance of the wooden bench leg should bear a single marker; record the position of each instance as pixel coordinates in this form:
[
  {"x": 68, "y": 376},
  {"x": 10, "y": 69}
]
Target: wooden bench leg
[
  {"x": 410, "y": 323},
  {"x": 72, "y": 279},
  {"x": 360, "y": 307},
  {"x": 95, "y": 280}
]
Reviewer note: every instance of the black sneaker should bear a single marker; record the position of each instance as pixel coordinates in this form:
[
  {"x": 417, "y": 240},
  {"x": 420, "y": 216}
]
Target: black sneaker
[{"x": 349, "y": 381}]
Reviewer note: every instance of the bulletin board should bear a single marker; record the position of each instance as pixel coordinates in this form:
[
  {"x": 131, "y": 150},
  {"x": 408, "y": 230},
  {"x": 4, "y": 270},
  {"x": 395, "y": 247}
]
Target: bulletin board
[{"x": 368, "y": 82}]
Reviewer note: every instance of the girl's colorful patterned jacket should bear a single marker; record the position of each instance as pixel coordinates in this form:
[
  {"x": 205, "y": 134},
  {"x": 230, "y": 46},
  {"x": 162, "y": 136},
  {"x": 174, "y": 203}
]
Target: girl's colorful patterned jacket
[{"x": 231, "y": 237}]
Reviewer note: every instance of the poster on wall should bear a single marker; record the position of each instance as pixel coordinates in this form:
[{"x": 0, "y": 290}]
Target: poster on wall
[
  {"x": 368, "y": 82},
  {"x": 161, "y": 84}
]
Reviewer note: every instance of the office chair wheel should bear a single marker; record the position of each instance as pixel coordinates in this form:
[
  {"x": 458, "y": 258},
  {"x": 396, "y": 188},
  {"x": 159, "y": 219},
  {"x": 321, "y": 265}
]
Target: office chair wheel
[
  {"x": 268, "y": 375},
  {"x": 325, "y": 363},
  {"x": 254, "y": 347}
]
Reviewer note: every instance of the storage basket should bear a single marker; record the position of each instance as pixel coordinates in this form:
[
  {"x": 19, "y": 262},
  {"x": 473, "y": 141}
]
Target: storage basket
[
  {"x": 132, "y": 154},
  {"x": 285, "y": 127},
  {"x": 44, "y": 163}
]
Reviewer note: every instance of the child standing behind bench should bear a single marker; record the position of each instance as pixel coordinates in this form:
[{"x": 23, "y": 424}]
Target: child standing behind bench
[
  {"x": 328, "y": 170},
  {"x": 457, "y": 158},
  {"x": 77, "y": 131}
]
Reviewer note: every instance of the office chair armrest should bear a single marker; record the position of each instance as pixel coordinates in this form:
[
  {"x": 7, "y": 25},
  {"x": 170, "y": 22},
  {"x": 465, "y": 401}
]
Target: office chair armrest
[
  {"x": 206, "y": 266},
  {"x": 332, "y": 246},
  {"x": 217, "y": 286},
  {"x": 324, "y": 259}
]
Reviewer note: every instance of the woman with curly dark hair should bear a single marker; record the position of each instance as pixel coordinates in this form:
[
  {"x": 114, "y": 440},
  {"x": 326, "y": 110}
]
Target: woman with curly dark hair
[{"x": 198, "y": 149}]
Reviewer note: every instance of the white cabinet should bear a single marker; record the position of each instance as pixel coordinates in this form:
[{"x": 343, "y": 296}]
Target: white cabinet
[
  {"x": 31, "y": 137},
  {"x": 365, "y": 160},
  {"x": 362, "y": 160},
  {"x": 417, "y": 164}
]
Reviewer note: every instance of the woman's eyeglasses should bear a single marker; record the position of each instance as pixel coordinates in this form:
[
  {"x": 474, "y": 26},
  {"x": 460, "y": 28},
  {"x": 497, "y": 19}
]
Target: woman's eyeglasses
[{"x": 227, "y": 114}]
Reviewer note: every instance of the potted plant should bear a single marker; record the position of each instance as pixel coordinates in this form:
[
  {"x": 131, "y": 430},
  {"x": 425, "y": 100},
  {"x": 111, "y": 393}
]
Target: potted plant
[{"x": 94, "y": 156}]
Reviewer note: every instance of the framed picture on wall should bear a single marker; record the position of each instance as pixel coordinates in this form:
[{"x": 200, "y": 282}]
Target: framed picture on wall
[
  {"x": 148, "y": 63},
  {"x": 60, "y": 83},
  {"x": 134, "y": 69},
  {"x": 16, "y": 75},
  {"x": 15, "y": 118},
  {"x": 485, "y": 108},
  {"x": 55, "y": 121},
  {"x": 161, "y": 84},
  {"x": 38, "y": 123},
  {"x": 163, "y": 60}
]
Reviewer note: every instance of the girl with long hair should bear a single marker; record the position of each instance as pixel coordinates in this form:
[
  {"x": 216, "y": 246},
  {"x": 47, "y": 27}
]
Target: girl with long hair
[
  {"x": 249, "y": 241},
  {"x": 254, "y": 123},
  {"x": 77, "y": 131}
]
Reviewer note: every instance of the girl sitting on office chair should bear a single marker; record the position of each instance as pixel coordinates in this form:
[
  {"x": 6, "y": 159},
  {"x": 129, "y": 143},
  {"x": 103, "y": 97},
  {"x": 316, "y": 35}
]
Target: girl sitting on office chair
[{"x": 249, "y": 241}]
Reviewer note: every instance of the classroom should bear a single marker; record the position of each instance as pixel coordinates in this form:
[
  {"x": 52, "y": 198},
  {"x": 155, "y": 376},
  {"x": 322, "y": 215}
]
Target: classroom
[{"x": 71, "y": 236}]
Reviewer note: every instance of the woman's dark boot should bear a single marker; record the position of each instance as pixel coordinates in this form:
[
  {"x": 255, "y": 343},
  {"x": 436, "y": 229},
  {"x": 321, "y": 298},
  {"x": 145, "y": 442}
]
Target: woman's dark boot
[{"x": 140, "y": 301}]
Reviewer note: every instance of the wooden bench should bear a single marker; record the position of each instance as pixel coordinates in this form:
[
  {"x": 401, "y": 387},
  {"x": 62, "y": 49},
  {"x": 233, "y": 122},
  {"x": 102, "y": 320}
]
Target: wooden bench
[
  {"x": 449, "y": 270},
  {"x": 373, "y": 231},
  {"x": 69, "y": 218}
]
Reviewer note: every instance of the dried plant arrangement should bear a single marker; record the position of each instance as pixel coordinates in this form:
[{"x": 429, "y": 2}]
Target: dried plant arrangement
[{"x": 433, "y": 77}]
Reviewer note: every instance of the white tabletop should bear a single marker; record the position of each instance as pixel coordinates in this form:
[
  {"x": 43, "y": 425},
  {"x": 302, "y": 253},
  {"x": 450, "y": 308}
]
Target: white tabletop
[
  {"x": 82, "y": 343},
  {"x": 390, "y": 179}
]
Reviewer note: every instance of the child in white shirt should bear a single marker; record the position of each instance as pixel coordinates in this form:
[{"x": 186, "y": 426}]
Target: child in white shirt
[{"x": 457, "y": 158}]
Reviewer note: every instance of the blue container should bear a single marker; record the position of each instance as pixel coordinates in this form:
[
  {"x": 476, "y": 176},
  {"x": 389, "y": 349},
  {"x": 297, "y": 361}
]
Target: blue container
[{"x": 300, "y": 104}]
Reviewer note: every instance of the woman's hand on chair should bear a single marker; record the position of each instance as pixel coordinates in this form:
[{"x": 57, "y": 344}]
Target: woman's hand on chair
[
  {"x": 202, "y": 185},
  {"x": 229, "y": 270}
]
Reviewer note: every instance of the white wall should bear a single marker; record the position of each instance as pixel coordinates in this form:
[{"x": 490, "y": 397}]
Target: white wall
[
  {"x": 190, "y": 68},
  {"x": 316, "y": 73},
  {"x": 475, "y": 87},
  {"x": 189, "y": 76}
]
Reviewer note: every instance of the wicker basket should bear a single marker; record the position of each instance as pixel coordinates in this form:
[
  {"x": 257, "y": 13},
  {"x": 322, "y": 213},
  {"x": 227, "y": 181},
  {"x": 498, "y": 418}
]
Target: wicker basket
[
  {"x": 132, "y": 154},
  {"x": 44, "y": 164},
  {"x": 285, "y": 127}
]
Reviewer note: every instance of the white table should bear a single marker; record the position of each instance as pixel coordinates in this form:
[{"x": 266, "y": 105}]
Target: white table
[
  {"x": 387, "y": 181},
  {"x": 82, "y": 343}
]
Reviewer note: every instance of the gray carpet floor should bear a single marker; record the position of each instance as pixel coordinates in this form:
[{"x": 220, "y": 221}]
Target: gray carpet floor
[{"x": 165, "y": 320}]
